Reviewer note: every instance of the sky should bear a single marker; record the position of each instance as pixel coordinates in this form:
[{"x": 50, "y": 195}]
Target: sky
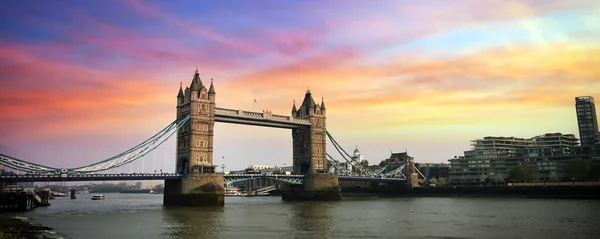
[{"x": 81, "y": 81}]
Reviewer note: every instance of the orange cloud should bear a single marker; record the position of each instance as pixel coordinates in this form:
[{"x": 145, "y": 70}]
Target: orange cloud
[{"x": 408, "y": 92}]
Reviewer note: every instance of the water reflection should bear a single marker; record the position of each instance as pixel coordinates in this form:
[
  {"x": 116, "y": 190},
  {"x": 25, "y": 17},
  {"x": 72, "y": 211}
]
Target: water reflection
[
  {"x": 311, "y": 219},
  {"x": 192, "y": 222}
]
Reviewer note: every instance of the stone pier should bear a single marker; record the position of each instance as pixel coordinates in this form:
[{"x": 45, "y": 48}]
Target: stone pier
[
  {"x": 201, "y": 189},
  {"x": 317, "y": 187}
]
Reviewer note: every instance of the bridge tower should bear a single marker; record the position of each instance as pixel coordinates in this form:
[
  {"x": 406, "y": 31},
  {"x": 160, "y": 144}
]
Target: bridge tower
[
  {"x": 309, "y": 155},
  {"x": 200, "y": 184}
]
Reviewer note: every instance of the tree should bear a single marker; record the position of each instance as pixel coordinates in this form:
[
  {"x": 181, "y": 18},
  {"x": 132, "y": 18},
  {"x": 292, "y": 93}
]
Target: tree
[
  {"x": 532, "y": 173},
  {"x": 553, "y": 176},
  {"x": 517, "y": 173},
  {"x": 496, "y": 178},
  {"x": 577, "y": 169},
  {"x": 595, "y": 170},
  {"x": 524, "y": 173},
  {"x": 433, "y": 181},
  {"x": 442, "y": 181}
]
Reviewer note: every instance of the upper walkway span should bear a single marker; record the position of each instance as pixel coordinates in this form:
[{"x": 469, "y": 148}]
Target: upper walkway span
[{"x": 259, "y": 119}]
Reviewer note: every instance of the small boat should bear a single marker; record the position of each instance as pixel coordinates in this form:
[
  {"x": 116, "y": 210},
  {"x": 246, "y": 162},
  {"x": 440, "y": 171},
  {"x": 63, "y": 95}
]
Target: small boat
[
  {"x": 98, "y": 197},
  {"x": 233, "y": 193},
  {"x": 57, "y": 194},
  {"x": 249, "y": 194}
]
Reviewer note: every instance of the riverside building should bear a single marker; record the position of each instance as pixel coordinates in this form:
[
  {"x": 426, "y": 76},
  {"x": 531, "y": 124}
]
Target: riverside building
[{"x": 492, "y": 158}]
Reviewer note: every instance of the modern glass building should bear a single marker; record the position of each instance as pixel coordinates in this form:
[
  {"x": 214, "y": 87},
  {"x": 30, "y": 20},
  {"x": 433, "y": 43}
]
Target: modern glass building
[{"x": 586, "y": 120}]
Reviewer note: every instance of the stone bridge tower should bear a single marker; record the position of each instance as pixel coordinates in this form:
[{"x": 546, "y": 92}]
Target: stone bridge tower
[
  {"x": 195, "y": 138},
  {"x": 200, "y": 185},
  {"x": 309, "y": 144},
  {"x": 310, "y": 155}
]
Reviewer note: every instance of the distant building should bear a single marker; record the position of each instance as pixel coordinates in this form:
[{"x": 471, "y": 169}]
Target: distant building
[
  {"x": 26, "y": 184},
  {"x": 357, "y": 161},
  {"x": 494, "y": 157},
  {"x": 286, "y": 169},
  {"x": 260, "y": 167},
  {"x": 395, "y": 160},
  {"x": 433, "y": 170},
  {"x": 150, "y": 185},
  {"x": 358, "y": 157},
  {"x": 587, "y": 121},
  {"x": 555, "y": 140}
]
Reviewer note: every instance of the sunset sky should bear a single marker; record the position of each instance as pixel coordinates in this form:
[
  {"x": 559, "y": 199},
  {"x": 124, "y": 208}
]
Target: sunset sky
[{"x": 81, "y": 81}]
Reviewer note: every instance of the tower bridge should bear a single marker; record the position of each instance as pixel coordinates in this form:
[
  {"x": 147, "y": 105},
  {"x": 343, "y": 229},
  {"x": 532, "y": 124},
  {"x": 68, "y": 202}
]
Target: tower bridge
[{"x": 316, "y": 174}]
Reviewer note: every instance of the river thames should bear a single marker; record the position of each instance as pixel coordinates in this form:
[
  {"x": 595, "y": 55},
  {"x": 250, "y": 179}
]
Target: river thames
[{"x": 143, "y": 216}]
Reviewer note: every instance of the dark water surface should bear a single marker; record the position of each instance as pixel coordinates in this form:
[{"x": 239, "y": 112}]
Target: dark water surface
[{"x": 143, "y": 216}]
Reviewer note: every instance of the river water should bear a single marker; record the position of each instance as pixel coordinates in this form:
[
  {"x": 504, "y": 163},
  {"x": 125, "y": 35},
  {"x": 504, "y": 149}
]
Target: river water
[{"x": 143, "y": 216}]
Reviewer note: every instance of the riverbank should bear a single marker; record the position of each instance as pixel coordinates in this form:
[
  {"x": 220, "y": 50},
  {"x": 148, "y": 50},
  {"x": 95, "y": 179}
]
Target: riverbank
[
  {"x": 558, "y": 192},
  {"x": 16, "y": 227}
]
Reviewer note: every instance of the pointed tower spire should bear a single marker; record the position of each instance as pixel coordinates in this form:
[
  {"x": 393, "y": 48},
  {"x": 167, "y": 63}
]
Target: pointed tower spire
[
  {"x": 196, "y": 82},
  {"x": 180, "y": 94},
  {"x": 294, "y": 110},
  {"x": 322, "y": 103},
  {"x": 212, "y": 87}
]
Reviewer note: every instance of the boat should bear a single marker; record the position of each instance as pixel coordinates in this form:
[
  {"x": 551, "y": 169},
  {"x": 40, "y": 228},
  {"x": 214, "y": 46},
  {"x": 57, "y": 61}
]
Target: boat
[
  {"x": 249, "y": 194},
  {"x": 233, "y": 193},
  {"x": 98, "y": 197},
  {"x": 57, "y": 194}
]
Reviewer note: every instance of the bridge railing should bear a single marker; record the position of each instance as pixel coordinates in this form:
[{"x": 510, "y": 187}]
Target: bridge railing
[
  {"x": 265, "y": 175},
  {"x": 89, "y": 175}
]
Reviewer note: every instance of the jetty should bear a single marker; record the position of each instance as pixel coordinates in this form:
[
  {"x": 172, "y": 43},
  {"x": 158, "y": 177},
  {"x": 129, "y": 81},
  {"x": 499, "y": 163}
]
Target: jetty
[{"x": 14, "y": 198}]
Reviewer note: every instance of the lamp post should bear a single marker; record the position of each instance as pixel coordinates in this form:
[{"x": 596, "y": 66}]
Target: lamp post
[
  {"x": 223, "y": 165},
  {"x": 544, "y": 182}
]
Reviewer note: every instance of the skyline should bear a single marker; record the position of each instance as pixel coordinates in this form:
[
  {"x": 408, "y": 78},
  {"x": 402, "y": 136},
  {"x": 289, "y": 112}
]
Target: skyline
[{"x": 84, "y": 81}]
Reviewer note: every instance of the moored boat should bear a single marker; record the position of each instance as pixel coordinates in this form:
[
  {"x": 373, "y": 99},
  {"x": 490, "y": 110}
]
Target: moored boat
[{"x": 98, "y": 197}]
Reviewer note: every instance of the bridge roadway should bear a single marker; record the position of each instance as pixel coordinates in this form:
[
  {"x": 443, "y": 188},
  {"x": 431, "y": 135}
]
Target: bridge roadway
[{"x": 163, "y": 176}]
